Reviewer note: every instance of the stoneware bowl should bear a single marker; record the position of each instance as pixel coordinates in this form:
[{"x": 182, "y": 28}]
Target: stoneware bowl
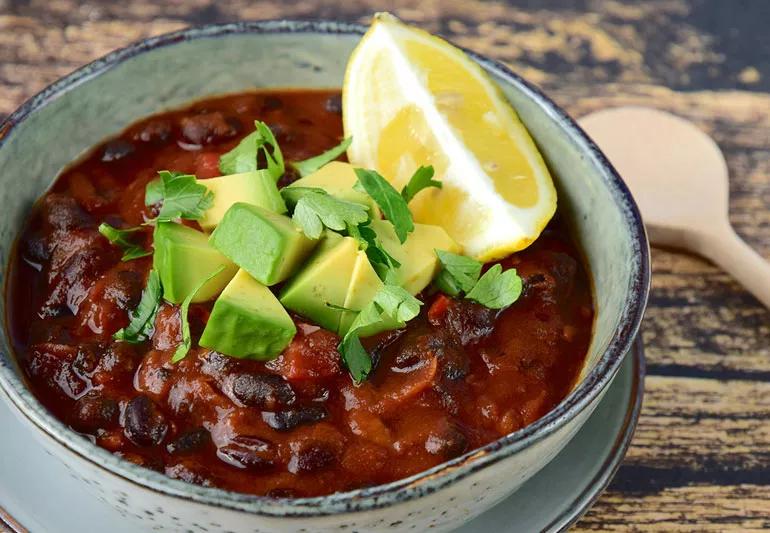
[{"x": 102, "y": 98}]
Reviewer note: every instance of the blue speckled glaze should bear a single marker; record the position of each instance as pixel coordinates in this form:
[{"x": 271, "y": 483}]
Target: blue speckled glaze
[{"x": 105, "y": 96}]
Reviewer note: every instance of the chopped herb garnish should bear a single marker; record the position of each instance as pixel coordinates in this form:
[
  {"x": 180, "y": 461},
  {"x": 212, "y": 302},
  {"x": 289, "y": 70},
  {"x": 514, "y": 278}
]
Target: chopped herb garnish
[
  {"x": 180, "y": 196},
  {"x": 391, "y": 308},
  {"x": 142, "y": 319},
  {"x": 308, "y": 166},
  {"x": 245, "y": 156},
  {"x": 421, "y": 179},
  {"x": 122, "y": 239},
  {"x": 315, "y": 209},
  {"x": 382, "y": 262},
  {"x": 391, "y": 203},
  {"x": 495, "y": 289},
  {"x": 459, "y": 273},
  {"x": 182, "y": 349}
]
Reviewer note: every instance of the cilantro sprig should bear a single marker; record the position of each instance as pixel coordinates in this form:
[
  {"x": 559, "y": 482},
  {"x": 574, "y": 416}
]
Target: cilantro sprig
[
  {"x": 308, "y": 166},
  {"x": 142, "y": 319},
  {"x": 315, "y": 209},
  {"x": 392, "y": 204},
  {"x": 184, "y": 346},
  {"x": 122, "y": 239},
  {"x": 496, "y": 289},
  {"x": 180, "y": 196},
  {"x": 421, "y": 179},
  {"x": 245, "y": 156},
  {"x": 391, "y": 308},
  {"x": 395, "y": 205}
]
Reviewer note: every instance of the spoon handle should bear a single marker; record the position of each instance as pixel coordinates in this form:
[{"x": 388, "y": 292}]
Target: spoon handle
[{"x": 730, "y": 252}]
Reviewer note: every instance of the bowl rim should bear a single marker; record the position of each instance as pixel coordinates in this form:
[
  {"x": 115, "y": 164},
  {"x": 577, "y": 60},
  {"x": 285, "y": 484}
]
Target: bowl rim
[{"x": 401, "y": 490}]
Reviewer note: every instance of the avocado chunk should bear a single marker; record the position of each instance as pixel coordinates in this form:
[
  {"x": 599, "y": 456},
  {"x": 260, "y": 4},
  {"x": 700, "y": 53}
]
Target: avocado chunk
[
  {"x": 265, "y": 244},
  {"x": 256, "y": 188},
  {"x": 248, "y": 321},
  {"x": 364, "y": 284},
  {"x": 318, "y": 291},
  {"x": 184, "y": 258},
  {"x": 419, "y": 263},
  {"x": 338, "y": 178}
]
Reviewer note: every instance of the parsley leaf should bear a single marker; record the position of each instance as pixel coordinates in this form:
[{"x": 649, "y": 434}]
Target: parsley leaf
[
  {"x": 382, "y": 262},
  {"x": 308, "y": 166},
  {"x": 315, "y": 209},
  {"x": 180, "y": 195},
  {"x": 182, "y": 349},
  {"x": 121, "y": 238},
  {"x": 142, "y": 319},
  {"x": 244, "y": 157},
  {"x": 496, "y": 289},
  {"x": 393, "y": 205},
  {"x": 459, "y": 273},
  {"x": 390, "y": 308},
  {"x": 421, "y": 179}
]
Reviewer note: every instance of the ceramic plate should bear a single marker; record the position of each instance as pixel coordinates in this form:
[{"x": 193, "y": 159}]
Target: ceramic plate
[{"x": 552, "y": 500}]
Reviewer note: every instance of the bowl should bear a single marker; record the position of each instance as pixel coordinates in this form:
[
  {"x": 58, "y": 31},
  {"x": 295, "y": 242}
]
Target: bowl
[{"x": 56, "y": 126}]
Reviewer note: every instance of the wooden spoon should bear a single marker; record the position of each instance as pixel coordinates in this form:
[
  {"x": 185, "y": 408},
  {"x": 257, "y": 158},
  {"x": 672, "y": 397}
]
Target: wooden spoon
[{"x": 679, "y": 179}]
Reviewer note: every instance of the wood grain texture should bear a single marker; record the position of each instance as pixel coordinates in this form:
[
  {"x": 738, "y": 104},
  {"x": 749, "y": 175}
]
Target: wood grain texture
[{"x": 700, "y": 460}]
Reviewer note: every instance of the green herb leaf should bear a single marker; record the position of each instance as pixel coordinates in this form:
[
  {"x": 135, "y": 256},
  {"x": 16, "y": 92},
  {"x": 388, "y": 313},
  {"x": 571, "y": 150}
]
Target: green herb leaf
[
  {"x": 397, "y": 303},
  {"x": 121, "y": 238},
  {"x": 496, "y": 289},
  {"x": 244, "y": 157},
  {"x": 315, "y": 209},
  {"x": 458, "y": 273},
  {"x": 382, "y": 262},
  {"x": 308, "y": 166},
  {"x": 391, "y": 203},
  {"x": 421, "y": 179},
  {"x": 142, "y": 319},
  {"x": 182, "y": 349},
  {"x": 180, "y": 195},
  {"x": 355, "y": 357},
  {"x": 390, "y": 309}
]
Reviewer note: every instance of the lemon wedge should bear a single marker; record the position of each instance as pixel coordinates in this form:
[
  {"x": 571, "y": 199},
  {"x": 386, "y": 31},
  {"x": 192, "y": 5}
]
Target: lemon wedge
[{"x": 412, "y": 99}]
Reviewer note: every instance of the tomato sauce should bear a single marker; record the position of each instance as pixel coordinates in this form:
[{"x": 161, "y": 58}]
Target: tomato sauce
[{"x": 457, "y": 377}]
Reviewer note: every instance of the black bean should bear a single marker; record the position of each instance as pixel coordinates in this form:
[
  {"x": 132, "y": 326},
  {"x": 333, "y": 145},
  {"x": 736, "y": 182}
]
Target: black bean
[
  {"x": 62, "y": 212},
  {"x": 92, "y": 413},
  {"x": 291, "y": 418},
  {"x": 189, "y": 442},
  {"x": 311, "y": 457},
  {"x": 247, "y": 452},
  {"x": 272, "y": 103},
  {"x": 265, "y": 391},
  {"x": 117, "y": 149},
  {"x": 155, "y": 132},
  {"x": 334, "y": 104},
  {"x": 448, "y": 443},
  {"x": 209, "y": 127},
  {"x": 36, "y": 249},
  {"x": 143, "y": 422}
]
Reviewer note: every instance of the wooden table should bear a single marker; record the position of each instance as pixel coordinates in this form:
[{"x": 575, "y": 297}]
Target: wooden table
[{"x": 701, "y": 456}]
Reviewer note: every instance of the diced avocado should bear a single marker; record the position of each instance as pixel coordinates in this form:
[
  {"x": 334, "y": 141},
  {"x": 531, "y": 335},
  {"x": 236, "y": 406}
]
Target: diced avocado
[
  {"x": 256, "y": 188},
  {"x": 248, "y": 321},
  {"x": 184, "y": 258},
  {"x": 263, "y": 243},
  {"x": 338, "y": 178},
  {"x": 419, "y": 263},
  {"x": 319, "y": 290},
  {"x": 364, "y": 284}
]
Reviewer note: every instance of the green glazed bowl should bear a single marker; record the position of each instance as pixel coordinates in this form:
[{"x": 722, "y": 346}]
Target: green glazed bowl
[{"x": 100, "y": 99}]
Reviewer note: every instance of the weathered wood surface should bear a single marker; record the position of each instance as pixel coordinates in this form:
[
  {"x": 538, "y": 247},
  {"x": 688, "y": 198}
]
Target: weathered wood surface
[{"x": 701, "y": 456}]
